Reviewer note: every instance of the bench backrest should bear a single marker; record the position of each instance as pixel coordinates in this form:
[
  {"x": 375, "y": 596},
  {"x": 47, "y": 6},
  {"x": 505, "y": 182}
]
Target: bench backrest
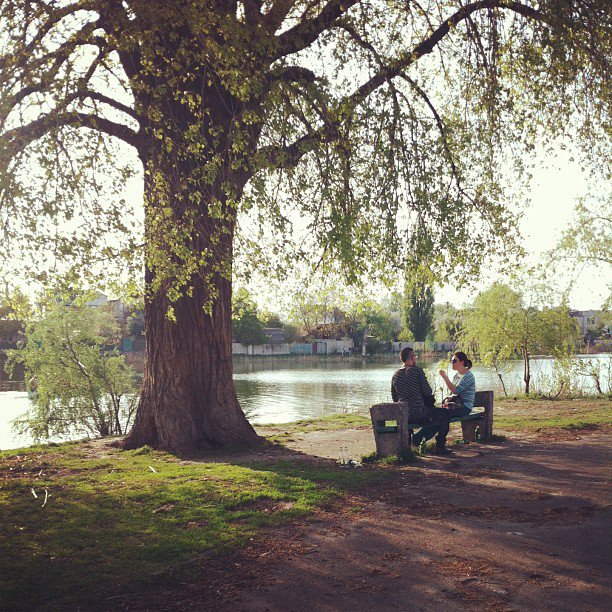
[{"x": 484, "y": 399}]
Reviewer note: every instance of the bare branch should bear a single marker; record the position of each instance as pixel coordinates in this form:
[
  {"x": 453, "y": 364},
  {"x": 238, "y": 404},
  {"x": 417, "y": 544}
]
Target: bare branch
[
  {"x": 306, "y": 32},
  {"x": 17, "y": 139},
  {"x": 94, "y": 95}
]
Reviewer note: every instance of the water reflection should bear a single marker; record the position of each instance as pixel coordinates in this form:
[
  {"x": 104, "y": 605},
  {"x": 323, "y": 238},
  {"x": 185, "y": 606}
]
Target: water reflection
[{"x": 280, "y": 390}]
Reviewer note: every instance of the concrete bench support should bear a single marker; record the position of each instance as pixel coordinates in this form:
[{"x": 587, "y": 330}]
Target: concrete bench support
[
  {"x": 484, "y": 399},
  {"x": 390, "y": 425}
]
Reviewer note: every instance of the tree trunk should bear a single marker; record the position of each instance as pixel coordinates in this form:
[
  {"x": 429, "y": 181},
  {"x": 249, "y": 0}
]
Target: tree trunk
[
  {"x": 188, "y": 400},
  {"x": 501, "y": 380},
  {"x": 526, "y": 371}
]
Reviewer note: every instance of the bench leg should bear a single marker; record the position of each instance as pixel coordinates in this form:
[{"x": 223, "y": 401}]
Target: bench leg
[{"x": 469, "y": 430}]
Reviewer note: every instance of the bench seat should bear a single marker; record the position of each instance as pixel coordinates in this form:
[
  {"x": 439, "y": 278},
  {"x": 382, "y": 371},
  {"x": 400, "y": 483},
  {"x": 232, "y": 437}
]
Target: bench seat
[{"x": 475, "y": 413}]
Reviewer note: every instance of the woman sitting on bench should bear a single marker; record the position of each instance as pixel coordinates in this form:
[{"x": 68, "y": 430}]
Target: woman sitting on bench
[{"x": 463, "y": 384}]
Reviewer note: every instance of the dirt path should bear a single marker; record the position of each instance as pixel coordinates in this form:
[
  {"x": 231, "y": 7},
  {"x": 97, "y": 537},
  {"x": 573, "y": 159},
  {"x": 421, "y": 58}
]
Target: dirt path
[{"x": 520, "y": 525}]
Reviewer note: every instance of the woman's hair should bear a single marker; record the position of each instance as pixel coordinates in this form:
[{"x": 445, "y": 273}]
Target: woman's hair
[{"x": 461, "y": 356}]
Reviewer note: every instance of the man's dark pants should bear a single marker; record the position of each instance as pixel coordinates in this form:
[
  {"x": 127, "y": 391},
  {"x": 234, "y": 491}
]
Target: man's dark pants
[{"x": 439, "y": 422}]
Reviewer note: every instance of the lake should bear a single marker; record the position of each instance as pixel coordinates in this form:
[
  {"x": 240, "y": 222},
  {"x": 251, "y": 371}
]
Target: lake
[{"x": 280, "y": 390}]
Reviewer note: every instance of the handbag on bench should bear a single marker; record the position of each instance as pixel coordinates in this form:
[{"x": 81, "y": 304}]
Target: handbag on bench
[{"x": 454, "y": 402}]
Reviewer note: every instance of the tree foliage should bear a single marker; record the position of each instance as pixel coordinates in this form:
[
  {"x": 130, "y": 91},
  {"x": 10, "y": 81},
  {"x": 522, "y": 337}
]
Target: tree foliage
[
  {"x": 82, "y": 386},
  {"x": 587, "y": 241},
  {"x": 500, "y": 326},
  {"x": 448, "y": 322},
  {"x": 375, "y": 124},
  {"x": 230, "y": 88},
  {"x": 247, "y": 328}
]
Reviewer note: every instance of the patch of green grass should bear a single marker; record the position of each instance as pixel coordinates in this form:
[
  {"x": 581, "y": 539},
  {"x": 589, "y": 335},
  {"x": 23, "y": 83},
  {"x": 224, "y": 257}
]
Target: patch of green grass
[
  {"x": 538, "y": 422},
  {"x": 535, "y": 415},
  {"x": 369, "y": 458},
  {"x": 493, "y": 439},
  {"x": 334, "y": 421},
  {"x": 403, "y": 458},
  {"x": 112, "y": 519}
]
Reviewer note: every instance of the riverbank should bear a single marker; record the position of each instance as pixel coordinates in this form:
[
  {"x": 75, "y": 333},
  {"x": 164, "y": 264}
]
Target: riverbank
[{"x": 520, "y": 523}]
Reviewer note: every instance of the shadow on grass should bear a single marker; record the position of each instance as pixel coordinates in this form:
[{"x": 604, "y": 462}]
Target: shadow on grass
[
  {"x": 118, "y": 521},
  {"x": 123, "y": 527}
]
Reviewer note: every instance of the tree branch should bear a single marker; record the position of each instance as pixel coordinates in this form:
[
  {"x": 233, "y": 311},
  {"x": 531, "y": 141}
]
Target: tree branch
[
  {"x": 17, "y": 139},
  {"x": 306, "y": 32},
  {"x": 275, "y": 16},
  {"x": 439, "y": 123},
  {"x": 94, "y": 95},
  {"x": 115, "y": 22},
  {"x": 55, "y": 15},
  {"x": 252, "y": 11},
  {"x": 292, "y": 74},
  {"x": 289, "y": 155}
]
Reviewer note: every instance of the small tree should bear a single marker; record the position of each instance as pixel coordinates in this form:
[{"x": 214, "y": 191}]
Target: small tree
[
  {"x": 378, "y": 323},
  {"x": 448, "y": 322},
  {"x": 81, "y": 386},
  {"x": 419, "y": 311},
  {"x": 499, "y": 325},
  {"x": 246, "y": 325}
]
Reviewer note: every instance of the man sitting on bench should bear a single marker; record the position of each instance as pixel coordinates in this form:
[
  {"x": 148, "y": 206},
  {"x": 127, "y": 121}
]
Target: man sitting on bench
[{"x": 409, "y": 384}]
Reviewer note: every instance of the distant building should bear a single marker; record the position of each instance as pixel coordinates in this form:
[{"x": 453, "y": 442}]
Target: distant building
[
  {"x": 585, "y": 318},
  {"x": 276, "y": 334},
  {"x": 99, "y": 300}
]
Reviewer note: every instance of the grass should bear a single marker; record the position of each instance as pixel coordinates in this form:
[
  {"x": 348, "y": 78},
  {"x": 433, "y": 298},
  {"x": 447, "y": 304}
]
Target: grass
[
  {"x": 407, "y": 457},
  {"x": 334, "y": 421},
  {"x": 544, "y": 415},
  {"x": 113, "y": 519}
]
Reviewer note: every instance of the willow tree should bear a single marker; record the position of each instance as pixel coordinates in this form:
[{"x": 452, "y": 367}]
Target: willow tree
[{"x": 367, "y": 119}]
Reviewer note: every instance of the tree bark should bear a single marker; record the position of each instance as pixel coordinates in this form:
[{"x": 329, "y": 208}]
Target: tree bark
[{"x": 188, "y": 401}]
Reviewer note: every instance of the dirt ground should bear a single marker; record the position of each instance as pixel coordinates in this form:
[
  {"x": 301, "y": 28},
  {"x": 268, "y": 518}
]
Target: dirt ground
[{"x": 522, "y": 524}]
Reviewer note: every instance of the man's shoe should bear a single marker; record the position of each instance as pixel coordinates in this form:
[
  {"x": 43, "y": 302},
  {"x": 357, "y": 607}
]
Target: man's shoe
[{"x": 442, "y": 450}]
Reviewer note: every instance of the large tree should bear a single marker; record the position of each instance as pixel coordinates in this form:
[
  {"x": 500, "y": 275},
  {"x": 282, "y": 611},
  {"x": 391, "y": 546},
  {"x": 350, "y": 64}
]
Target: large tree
[{"x": 371, "y": 119}]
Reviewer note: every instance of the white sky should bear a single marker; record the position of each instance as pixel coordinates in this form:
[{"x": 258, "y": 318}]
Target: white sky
[{"x": 554, "y": 193}]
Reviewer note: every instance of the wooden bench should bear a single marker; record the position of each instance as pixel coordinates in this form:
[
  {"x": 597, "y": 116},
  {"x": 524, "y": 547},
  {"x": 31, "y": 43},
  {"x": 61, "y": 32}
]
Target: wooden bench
[{"x": 393, "y": 430}]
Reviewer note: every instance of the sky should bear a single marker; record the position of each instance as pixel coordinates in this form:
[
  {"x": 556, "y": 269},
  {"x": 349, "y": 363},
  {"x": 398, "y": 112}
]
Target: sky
[
  {"x": 557, "y": 184},
  {"x": 554, "y": 192}
]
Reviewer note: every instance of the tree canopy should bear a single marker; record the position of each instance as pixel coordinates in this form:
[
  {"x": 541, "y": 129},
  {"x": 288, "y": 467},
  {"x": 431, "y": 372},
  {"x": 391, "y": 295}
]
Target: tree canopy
[
  {"x": 500, "y": 325},
  {"x": 383, "y": 127},
  {"x": 338, "y": 108}
]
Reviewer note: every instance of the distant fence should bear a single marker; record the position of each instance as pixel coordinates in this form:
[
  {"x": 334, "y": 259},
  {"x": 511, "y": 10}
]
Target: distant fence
[
  {"x": 434, "y": 347},
  {"x": 261, "y": 349},
  {"x": 317, "y": 347}
]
